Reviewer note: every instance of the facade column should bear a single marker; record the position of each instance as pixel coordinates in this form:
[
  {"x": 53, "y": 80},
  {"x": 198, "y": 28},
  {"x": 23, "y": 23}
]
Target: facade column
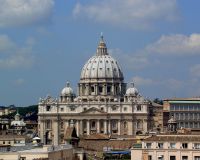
[
  {"x": 98, "y": 126},
  {"x": 55, "y": 132},
  {"x": 77, "y": 127},
  {"x": 96, "y": 89},
  {"x": 105, "y": 89},
  {"x": 144, "y": 125},
  {"x": 88, "y": 127},
  {"x": 119, "y": 127},
  {"x": 130, "y": 127},
  {"x": 80, "y": 89},
  {"x": 66, "y": 124},
  {"x": 120, "y": 88},
  {"x": 81, "y": 127},
  {"x": 86, "y": 90},
  {"x": 105, "y": 127},
  {"x": 109, "y": 127},
  {"x": 42, "y": 131},
  {"x": 113, "y": 89}
]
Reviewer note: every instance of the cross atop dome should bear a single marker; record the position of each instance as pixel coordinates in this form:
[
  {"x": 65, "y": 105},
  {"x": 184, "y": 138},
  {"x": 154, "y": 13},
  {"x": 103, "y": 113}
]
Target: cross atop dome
[{"x": 101, "y": 49}]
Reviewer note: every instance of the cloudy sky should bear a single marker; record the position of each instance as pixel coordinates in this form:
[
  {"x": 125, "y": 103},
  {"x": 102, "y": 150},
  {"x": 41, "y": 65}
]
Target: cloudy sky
[{"x": 44, "y": 43}]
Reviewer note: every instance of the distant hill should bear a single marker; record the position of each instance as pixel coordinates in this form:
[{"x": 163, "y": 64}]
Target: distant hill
[{"x": 29, "y": 112}]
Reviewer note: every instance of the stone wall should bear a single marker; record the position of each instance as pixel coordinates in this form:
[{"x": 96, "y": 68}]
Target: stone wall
[{"x": 99, "y": 145}]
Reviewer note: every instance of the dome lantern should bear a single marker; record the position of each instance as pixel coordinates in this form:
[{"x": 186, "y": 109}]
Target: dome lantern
[{"x": 101, "y": 49}]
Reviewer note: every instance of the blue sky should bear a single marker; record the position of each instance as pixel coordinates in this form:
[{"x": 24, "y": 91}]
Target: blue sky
[{"x": 44, "y": 43}]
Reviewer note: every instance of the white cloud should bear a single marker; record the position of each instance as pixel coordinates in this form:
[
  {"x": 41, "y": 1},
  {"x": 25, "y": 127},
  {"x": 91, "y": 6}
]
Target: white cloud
[
  {"x": 195, "y": 70},
  {"x": 130, "y": 61},
  {"x": 5, "y": 43},
  {"x": 24, "y": 12},
  {"x": 128, "y": 13},
  {"x": 14, "y": 56},
  {"x": 177, "y": 44},
  {"x": 140, "y": 81},
  {"x": 173, "y": 84}
]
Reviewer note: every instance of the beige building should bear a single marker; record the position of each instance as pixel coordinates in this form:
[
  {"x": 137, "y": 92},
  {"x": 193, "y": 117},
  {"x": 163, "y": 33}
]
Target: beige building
[
  {"x": 12, "y": 140},
  {"x": 167, "y": 147},
  {"x": 186, "y": 112},
  {"x": 102, "y": 104},
  {"x": 45, "y": 153}
]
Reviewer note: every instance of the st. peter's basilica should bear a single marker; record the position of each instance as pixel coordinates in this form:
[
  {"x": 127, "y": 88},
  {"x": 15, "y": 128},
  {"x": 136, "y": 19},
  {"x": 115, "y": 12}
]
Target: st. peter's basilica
[{"x": 103, "y": 104}]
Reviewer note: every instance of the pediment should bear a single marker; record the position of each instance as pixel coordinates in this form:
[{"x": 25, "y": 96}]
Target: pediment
[{"x": 93, "y": 110}]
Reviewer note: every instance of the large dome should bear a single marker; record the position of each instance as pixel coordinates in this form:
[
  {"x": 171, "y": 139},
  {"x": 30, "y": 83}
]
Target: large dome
[{"x": 101, "y": 66}]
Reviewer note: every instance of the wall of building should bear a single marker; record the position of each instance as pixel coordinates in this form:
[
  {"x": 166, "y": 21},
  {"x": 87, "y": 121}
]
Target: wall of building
[{"x": 103, "y": 144}]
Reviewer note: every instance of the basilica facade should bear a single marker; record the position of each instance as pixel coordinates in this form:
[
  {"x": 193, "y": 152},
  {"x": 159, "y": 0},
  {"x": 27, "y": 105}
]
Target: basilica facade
[{"x": 103, "y": 104}]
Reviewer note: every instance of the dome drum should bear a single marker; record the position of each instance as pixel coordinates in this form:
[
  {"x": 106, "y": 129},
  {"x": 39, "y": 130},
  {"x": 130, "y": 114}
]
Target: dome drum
[{"x": 101, "y": 75}]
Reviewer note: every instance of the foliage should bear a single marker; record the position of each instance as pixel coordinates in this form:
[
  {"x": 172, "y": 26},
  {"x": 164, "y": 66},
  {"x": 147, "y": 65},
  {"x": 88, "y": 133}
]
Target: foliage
[
  {"x": 158, "y": 101},
  {"x": 23, "y": 111}
]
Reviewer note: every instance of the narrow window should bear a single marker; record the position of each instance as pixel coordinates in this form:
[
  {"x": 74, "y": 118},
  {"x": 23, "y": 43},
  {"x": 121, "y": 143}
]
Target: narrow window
[
  {"x": 139, "y": 108},
  {"x": 184, "y": 145},
  {"x": 100, "y": 89},
  {"x": 172, "y": 157},
  {"x": 184, "y": 157},
  {"x": 48, "y": 108},
  {"x": 92, "y": 89},
  {"x": 108, "y": 89}
]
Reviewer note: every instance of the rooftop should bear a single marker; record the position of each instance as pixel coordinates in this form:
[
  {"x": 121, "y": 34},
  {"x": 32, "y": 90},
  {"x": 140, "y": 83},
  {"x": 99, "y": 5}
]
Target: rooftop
[{"x": 173, "y": 138}]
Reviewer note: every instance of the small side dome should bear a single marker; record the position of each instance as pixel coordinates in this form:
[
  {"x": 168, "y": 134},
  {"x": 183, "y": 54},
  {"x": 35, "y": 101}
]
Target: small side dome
[
  {"x": 67, "y": 90},
  {"x": 132, "y": 91}
]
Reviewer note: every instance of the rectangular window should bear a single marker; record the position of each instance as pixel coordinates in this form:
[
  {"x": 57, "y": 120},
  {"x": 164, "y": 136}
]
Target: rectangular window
[
  {"x": 100, "y": 89},
  {"x": 161, "y": 157},
  {"x": 149, "y": 157},
  {"x": 139, "y": 108},
  {"x": 108, "y": 89},
  {"x": 48, "y": 108},
  {"x": 62, "y": 109},
  {"x": 184, "y": 157},
  {"x": 172, "y": 145},
  {"x": 184, "y": 145},
  {"x": 160, "y": 145},
  {"x": 186, "y": 116},
  {"x": 172, "y": 157},
  {"x": 148, "y": 145},
  {"x": 4, "y": 142},
  {"x": 92, "y": 89},
  {"x": 185, "y": 108},
  {"x": 181, "y": 116},
  {"x": 196, "y": 157},
  {"x": 197, "y": 146},
  {"x": 72, "y": 109},
  {"x": 48, "y": 124}
]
